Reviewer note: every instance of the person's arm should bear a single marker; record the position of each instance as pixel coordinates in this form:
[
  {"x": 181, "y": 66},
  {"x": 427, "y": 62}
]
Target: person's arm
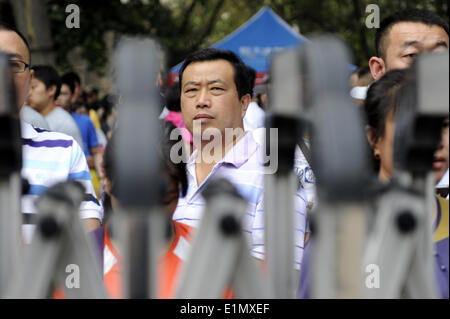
[
  {"x": 91, "y": 223},
  {"x": 98, "y": 161},
  {"x": 96, "y": 150},
  {"x": 91, "y": 210},
  {"x": 307, "y": 236}
]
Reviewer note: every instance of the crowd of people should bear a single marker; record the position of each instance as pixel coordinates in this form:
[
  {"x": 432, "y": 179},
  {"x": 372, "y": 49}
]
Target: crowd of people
[{"x": 68, "y": 134}]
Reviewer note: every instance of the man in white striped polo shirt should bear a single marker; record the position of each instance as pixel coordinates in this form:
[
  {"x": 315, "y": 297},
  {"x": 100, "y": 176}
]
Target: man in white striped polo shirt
[
  {"x": 48, "y": 157},
  {"x": 215, "y": 93}
]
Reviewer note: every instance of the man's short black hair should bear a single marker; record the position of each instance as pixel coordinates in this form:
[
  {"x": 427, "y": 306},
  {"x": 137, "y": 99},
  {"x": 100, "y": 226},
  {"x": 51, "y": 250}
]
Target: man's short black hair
[
  {"x": 49, "y": 76},
  {"x": 6, "y": 27},
  {"x": 172, "y": 98},
  {"x": 210, "y": 54},
  {"x": 65, "y": 79},
  {"x": 411, "y": 15},
  {"x": 251, "y": 78}
]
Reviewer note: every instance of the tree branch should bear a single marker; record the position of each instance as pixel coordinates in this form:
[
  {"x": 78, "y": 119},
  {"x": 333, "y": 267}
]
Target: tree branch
[
  {"x": 187, "y": 15},
  {"x": 209, "y": 27},
  {"x": 362, "y": 36}
]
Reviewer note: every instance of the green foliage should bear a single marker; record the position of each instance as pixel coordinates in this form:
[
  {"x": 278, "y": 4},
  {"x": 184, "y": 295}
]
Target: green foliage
[{"x": 187, "y": 25}]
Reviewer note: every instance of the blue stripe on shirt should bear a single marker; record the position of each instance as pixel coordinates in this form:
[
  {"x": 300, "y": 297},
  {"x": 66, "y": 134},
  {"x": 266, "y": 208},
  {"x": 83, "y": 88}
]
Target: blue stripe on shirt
[
  {"x": 83, "y": 175},
  {"x": 37, "y": 189},
  {"x": 91, "y": 198},
  {"x": 47, "y": 143},
  {"x": 40, "y": 130}
]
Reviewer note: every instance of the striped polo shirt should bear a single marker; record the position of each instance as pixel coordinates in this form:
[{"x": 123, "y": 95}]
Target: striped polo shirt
[
  {"x": 50, "y": 158},
  {"x": 242, "y": 166}
]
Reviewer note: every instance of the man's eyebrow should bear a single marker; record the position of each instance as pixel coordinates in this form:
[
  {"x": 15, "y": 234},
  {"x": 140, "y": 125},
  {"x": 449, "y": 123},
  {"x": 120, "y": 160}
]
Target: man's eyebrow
[
  {"x": 216, "y": 81},
  {"x": 441, "y": 43},
  {"x": 190, "y": 83},
  {"x": 409, "y": 43},
  {"x": 15, "y": 55},
  {"x": 209, "y": 82}
]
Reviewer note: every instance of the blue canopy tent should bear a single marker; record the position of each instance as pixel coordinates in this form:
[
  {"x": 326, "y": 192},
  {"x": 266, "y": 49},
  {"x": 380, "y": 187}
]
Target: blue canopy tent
[{"x": 256, "y": 40}]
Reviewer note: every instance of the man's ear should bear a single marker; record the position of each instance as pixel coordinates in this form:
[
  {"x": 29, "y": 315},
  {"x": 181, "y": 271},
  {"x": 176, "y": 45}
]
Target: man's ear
[
  {"x": 52, "y": 91},
  {"x": 377, "y": 67},
  {"x": 371, "y": 136},
  {"x": 245, "y": 101},
  {"x": 30, "y": 79}
]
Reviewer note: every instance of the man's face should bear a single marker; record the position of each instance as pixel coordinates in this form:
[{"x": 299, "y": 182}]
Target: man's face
[
  {"x": 40, "y": 96},
  {"x": 385, "y": 147},
  {"x": 209, "y": 96},
  {"x": 407, "y": 39},
  {"x": 11, "y": 43},
  {"x": 403, "y": 42},
  {"x": 64, "y": 97}
]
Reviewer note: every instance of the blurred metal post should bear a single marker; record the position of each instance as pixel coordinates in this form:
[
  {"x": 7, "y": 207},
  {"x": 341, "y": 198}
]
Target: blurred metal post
[
  {"x": 138, "y": 170},
  {"x": 10, "y": 180},
  {"x": 338, "y": 158},
  {"x": 281, "y": 184},
  {"x": 60, "y": 241}
]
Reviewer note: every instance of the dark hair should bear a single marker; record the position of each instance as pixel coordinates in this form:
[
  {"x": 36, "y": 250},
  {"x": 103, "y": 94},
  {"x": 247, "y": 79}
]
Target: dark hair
[
  {"x": 364, "y": 76},
  {"x": 412, "y": 15},
  {"x": 6, "y": 27},
  {"x": 93, "y": 92},
  {"x": 109, "y": 166},
  {"x": 382, "y": 98},
  {"x": 362, "y": 71},
  {"x": 210, "y": 54},
  {"x": 172, "y": 98},
  {"x": 251, "y": 73},
  {"x": 77, "y": 105},
  {"x": 72, "y": 77},
  {"x": 108, "y": 102},
  {"x": 176, "y": 172},
  {"x": 68, "y": 81},
  {"x": 49, "y": 76}
]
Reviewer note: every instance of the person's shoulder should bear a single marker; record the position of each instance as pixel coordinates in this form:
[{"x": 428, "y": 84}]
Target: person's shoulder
[
  {"x": 442, "y": 219},
  {"x": 59, "y": 112},
  {"x": 82, "y": 117},
  {"x": 38, "y": 134},
  {"x": 443, "y": 203},
  {"x": 33, "y": 117},
  {"x": 58, "y": 116}
]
